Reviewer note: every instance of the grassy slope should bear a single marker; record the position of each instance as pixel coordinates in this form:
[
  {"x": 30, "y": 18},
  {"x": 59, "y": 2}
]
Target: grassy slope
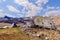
[
  {"x": 18, "y": 34},
  {"x": 13, "y": 34}
]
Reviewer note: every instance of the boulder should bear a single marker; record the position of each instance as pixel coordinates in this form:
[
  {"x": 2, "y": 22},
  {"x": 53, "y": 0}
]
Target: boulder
[
  {"x": 29, "y": 23},
  {"x": 44, "y": 23}
]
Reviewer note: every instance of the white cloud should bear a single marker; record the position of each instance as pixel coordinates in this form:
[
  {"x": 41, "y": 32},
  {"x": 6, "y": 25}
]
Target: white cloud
[
  {"x": 21, "y": 15},
  {"x": 13, "y": 9},
  {"x": 7, "y": 14},
  {"x": 1, "y": 10},
  {"x": 2, "y": 1},
  {"x": 52, "y": 13},
  {"x": 50, "y": 7},
  {"x": 2, "y": 14},
  {"x": 34, "y": 9},
  {"x": 57, "y": 7},
  {"x": 41, "y": 1}
]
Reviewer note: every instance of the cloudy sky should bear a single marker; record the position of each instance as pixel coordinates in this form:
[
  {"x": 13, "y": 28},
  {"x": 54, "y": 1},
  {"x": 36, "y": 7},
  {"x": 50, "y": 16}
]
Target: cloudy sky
[{"x": 27, "y": 8}]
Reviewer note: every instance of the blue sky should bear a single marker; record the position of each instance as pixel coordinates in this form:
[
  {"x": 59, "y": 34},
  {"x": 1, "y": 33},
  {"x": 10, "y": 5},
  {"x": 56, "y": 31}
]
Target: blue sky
[{"x": 27, "y": 8}]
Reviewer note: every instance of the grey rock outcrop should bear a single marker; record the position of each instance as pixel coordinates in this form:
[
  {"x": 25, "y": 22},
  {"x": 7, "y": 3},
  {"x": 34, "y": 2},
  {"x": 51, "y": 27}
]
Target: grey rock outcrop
[
  {"x": 39, "y": 22},
  {"x": 45, "y": 23}
]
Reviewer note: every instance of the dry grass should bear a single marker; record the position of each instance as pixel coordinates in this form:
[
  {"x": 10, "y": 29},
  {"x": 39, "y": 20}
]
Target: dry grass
[
  {"x": 4, "y": 24},
  {"x": 18, "y": 34},
  {"x": 47, "y": 34},
  {"x": 13, "y": 34}
]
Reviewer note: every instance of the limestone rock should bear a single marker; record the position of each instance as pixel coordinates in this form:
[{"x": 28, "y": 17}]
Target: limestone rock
[{"x": 44, "y": 23}]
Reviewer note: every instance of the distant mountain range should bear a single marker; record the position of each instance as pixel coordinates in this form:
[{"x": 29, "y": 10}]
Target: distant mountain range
[{"x": 8, "y": 19}]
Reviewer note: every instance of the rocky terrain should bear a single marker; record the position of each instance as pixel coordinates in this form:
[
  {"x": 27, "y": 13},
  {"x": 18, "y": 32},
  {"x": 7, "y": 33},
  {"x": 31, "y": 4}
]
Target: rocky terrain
[{"x": 31, "y": 28}]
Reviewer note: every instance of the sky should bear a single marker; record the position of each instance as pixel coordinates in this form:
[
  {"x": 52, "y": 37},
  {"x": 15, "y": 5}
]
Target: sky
[{"x": 28, "y": 8}]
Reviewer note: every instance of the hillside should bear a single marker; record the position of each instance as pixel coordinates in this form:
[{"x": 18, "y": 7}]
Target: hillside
[
  {"x": 56, "y": 20},
  {"x": 21, "y": 33},
  {"x": 18, "y": 34},
  {"x": 13, "y": 34}
]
